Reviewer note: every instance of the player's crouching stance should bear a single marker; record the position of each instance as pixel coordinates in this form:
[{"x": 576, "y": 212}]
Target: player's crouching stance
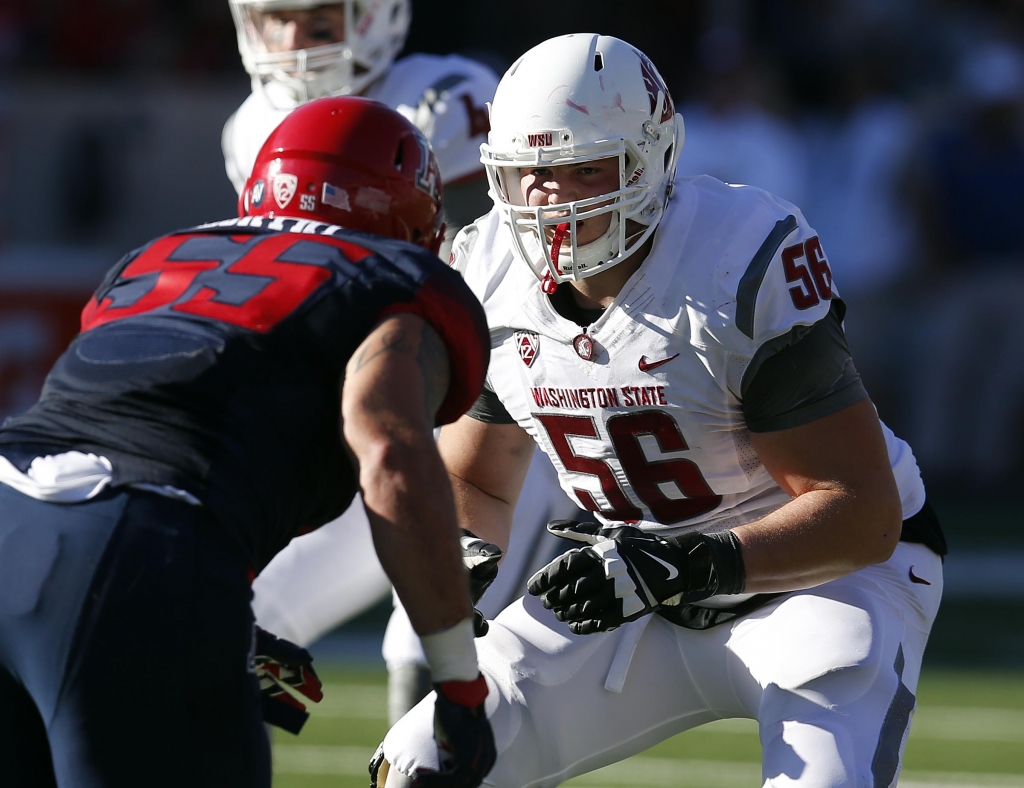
[
  {"x": 233, "y": 385},
  {"x": 683, "y": 363}
]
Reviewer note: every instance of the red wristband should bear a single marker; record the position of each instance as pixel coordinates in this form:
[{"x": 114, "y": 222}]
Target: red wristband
[{"x": 465, "y": 693}]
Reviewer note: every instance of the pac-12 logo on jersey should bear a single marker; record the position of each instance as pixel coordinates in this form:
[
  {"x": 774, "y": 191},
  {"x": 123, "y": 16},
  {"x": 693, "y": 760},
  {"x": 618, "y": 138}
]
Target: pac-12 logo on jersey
[
  {"x": 285, "y": 185},
  {"x": 528, "y": 345}
]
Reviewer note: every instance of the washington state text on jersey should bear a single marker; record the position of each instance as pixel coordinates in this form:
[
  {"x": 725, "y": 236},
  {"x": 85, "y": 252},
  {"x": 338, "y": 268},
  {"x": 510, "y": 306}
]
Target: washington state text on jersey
[{"x": 632, "y": 397}]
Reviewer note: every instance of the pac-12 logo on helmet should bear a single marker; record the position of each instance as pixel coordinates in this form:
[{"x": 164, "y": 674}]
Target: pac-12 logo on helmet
[{"x": 285, "y": 185}]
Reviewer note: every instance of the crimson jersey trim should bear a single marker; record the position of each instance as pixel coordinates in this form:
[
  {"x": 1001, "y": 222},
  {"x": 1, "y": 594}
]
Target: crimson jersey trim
[{"x": 464, "y": 333}]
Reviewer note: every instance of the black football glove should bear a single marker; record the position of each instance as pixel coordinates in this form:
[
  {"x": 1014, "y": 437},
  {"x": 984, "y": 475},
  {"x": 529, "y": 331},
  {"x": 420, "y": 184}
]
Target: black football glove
[
  {"x": 481, "y": 561},
  {"x": 463, "y": 734},
  {"x": 279, "y": 665},
  {"x": 625, "y": 573}
]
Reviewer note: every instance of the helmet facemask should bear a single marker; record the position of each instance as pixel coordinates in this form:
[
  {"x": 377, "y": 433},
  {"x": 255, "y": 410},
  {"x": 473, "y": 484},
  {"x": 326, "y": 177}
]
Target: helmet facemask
[
  {"x": 374, "y": 33},
  {"x": 552, "y": 109},
  {"x": 547, "y": 235}
]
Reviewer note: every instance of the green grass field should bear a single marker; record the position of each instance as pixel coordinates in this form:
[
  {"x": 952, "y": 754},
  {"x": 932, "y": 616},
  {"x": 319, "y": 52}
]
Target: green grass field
[{"x": 968, "y": 731}]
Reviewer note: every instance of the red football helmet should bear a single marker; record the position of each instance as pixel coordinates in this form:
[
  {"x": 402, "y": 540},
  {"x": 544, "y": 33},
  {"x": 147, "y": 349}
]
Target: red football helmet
[{"x": 352, "y": 162}]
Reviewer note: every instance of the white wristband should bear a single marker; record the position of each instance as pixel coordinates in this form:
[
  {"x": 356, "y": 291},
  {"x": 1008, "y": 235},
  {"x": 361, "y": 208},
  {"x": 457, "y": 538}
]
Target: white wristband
[{"x": 451, "y": 653}]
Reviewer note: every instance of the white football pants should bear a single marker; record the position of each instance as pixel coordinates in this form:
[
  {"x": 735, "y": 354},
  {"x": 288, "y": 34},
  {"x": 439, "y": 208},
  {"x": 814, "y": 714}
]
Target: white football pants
[{"x": 829, "y": 674}]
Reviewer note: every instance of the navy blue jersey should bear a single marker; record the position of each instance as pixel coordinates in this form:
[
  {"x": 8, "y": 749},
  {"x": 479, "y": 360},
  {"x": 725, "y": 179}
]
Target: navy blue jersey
[{"x": 212, "y": 360}]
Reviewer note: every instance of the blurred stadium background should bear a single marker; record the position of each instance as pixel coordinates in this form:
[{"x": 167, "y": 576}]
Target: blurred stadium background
[{"x": 898, "y": 128}]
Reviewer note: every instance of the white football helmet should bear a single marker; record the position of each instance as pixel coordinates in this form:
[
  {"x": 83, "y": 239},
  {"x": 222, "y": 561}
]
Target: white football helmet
[
  {"x": 375, "y": 32},
  {"x": 569, "y": 100}
]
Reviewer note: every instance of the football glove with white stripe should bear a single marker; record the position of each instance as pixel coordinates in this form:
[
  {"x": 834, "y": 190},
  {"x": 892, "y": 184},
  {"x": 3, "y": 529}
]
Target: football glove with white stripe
[
  {"x": 624, "y": 573},
  {"x": 481, "y": 561},
  {"x": 281, "y": 666}
]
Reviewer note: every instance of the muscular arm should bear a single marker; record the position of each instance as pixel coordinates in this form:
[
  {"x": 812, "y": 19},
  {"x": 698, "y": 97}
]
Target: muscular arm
[
  {"x": 845, "y": 513},
  {"x": 487, "y": 464},
  {"x": 394, "y": 384}
]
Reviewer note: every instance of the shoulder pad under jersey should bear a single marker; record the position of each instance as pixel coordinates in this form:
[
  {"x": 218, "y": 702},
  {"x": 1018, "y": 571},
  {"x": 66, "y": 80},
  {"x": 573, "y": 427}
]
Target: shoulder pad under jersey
[
  {"x": 745, "y": 264},
  {"x": 484, "y": 260}
]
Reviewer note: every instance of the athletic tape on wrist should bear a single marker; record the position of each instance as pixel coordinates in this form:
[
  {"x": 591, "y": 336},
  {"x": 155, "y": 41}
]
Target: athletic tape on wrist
[
  {"x": 728, "y": 558},
  {"x": 451, "y": 653}
]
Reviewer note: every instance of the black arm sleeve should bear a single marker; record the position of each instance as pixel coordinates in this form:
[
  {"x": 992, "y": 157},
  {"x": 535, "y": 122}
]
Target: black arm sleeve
[
  {"x": 802, "y": 376},
  {"x": 488, "y": 408}
]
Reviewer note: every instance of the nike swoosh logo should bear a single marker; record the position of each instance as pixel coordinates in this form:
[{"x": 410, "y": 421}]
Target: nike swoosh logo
[
  {"x": 672, "y": 571},
  {"x": 915, "y": 579},
  {"x": 647, "y": 366}
]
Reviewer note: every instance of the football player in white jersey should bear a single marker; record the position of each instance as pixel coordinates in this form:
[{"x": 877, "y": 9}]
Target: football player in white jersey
[
  {"x": 295, "y": 51},
  {"x": 764, "y": 547},
  {"x": 298, "y": 50}
]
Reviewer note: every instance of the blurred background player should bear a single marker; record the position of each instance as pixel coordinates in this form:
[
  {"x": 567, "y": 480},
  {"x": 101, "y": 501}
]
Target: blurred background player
[
  {"x": 299, "y": 50},
  {"x": 295, "y": 51},
  {"x": 234, "y": 385}
]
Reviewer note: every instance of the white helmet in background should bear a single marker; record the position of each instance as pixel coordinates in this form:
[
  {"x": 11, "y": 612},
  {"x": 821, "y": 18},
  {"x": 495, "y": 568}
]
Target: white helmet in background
[
  {"x": 374, "y": 33},
  {"x": 569, "y": 100}
]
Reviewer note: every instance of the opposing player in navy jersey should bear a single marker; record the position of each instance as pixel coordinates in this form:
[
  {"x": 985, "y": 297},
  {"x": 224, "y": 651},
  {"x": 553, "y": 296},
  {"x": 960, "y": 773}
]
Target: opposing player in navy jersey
[
  {"x": 234, "y": 385},
  {"x": 295, "y": 51},
  {"x": 764, "y": 548}
]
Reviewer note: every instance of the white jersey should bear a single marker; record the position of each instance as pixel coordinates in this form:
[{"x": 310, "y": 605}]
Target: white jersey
[
  {"x": 650, "y": 429},
  {"x": 444, "y": 95}
]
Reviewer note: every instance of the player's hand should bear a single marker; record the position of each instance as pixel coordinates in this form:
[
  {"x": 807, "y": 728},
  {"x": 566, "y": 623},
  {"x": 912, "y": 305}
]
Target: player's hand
[
  {"x": 463, "y": 734},
  {"x": 279, "y": 665},
  {"x": 481, "y": 561},
  {"x": 625, "y": 573},
  {"x": 480, "y": 624}
]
